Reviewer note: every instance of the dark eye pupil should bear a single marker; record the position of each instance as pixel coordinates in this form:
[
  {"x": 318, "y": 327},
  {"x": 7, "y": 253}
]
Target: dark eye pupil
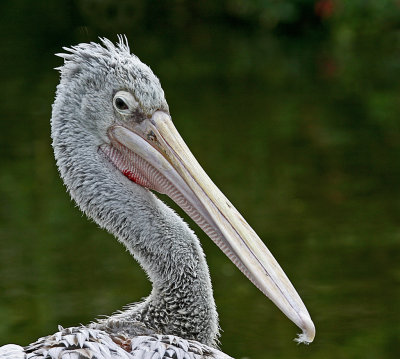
[{"x": 120, "y": 104}]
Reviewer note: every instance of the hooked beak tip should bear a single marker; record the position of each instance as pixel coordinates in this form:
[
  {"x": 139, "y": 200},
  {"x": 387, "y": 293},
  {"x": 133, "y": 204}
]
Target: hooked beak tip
[{"x": 308, "y": 328}]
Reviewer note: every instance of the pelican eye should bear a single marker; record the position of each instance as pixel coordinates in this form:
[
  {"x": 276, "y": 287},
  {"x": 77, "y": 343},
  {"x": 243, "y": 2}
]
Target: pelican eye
[
  {"x": 124, "y": 102},
  {"x": 120, "y": 104}
]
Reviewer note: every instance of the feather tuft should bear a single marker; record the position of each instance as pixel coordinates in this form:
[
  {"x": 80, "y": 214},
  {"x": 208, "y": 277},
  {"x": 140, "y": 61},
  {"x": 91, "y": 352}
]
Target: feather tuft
[{"x": 301, "y": 339}]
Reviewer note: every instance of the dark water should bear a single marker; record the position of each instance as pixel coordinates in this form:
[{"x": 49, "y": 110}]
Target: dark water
[{"x": 298, "y": 127}]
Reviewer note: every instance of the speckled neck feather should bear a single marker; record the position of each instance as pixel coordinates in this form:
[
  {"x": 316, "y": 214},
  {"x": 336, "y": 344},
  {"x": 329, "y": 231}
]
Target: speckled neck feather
[{"x": 181, "y": 302}]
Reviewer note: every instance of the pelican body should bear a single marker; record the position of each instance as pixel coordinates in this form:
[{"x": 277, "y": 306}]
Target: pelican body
[{"x": 115, "y": 145}]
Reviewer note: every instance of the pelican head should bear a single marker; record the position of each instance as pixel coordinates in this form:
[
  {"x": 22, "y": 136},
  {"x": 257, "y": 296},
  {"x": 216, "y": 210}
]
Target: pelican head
[{"x": 119, "y": 124}]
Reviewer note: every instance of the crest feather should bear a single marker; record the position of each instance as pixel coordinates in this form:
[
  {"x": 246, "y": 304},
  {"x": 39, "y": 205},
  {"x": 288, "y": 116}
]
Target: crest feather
[{"x": 93, "y": 53}]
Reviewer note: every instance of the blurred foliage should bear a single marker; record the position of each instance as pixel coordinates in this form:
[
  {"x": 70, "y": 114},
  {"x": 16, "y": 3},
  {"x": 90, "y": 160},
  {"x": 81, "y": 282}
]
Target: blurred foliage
[{"x": 292, "y": 107}]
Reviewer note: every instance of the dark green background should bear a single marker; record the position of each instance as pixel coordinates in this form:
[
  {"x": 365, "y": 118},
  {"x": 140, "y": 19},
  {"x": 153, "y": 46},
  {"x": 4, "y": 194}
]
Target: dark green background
[{"x": 292, "y": 107}]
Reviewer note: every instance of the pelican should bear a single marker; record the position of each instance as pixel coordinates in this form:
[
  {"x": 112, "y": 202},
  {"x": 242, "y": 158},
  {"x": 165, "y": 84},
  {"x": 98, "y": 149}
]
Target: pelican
[{"x": 115, "y": 145}]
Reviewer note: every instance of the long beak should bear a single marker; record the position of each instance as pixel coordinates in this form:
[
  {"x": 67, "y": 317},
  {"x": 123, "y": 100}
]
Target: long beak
[{"x": 168, "y": 166}]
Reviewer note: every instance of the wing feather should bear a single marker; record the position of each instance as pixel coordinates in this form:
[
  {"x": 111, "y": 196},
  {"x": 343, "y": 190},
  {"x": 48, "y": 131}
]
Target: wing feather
[
  {"x": 89, "y": 343},
  {"x": 12, "y": 351}
]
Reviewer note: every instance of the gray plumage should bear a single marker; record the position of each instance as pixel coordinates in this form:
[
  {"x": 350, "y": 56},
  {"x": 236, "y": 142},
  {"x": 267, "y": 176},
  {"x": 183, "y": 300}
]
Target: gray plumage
[
  {"x": 85, "y": 343},
  {"x": 181, "y": 303}
]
